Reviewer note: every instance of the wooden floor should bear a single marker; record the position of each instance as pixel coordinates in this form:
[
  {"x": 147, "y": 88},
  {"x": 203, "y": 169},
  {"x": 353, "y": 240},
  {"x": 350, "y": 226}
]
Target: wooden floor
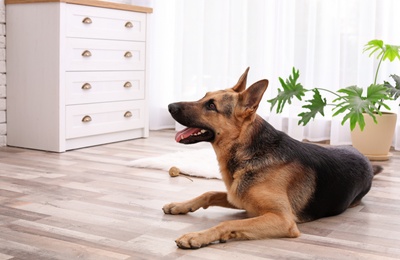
[{"x": 88, "y": 204}]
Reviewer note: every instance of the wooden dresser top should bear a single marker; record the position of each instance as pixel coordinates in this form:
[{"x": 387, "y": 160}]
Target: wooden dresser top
[{"x": 96, "y": 3}]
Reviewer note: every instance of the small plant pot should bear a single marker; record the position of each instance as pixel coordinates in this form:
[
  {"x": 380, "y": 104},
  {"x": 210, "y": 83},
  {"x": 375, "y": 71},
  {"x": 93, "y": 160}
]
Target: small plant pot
[{"x": 376, "y": 139}]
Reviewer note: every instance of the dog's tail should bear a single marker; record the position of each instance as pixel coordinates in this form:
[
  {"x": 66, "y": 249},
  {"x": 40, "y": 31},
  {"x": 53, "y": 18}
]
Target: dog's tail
[{"x": 376, "y": 169}]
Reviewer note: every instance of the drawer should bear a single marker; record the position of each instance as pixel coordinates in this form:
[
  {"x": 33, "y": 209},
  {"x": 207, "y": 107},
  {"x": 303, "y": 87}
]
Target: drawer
[
  {"x": 102, "y": 118},
  {"x": 102, "y": 23},
  {"x": 89, "y": 55},
  {"x": 95, "y": 87}
]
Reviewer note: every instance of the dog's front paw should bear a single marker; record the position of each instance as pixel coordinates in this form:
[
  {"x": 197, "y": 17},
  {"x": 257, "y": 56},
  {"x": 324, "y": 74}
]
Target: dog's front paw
[
  {"x": 176, "y": 208},
  {"x": 193, "y": 240}
]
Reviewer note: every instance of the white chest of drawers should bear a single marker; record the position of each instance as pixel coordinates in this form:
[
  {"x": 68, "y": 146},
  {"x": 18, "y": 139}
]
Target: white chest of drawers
[{"x": 76, "y": 73}]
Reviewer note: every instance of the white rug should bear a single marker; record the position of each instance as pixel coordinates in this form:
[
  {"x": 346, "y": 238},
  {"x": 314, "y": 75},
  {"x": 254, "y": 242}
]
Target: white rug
[{"x": 196, "y": 163}]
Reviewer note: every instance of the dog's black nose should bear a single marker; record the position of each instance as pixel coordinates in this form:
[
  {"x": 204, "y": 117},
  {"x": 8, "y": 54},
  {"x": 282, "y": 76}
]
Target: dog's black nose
[{"x": 174, "y": 108}]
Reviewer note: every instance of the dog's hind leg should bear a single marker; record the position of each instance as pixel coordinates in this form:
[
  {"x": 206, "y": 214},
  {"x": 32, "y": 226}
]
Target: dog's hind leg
[
  {"x": 211, "y": 198},
  {"x": 357, "y": 200},
  {"x": 265, "y": 226}
]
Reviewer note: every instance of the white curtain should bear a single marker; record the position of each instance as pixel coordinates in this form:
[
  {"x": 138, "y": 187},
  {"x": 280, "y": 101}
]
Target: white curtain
[{"x": 202, "y": 45}]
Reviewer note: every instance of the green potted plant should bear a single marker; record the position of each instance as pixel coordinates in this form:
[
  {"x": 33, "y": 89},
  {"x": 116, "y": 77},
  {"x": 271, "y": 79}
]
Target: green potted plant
[{"x": 358, "y": 107}]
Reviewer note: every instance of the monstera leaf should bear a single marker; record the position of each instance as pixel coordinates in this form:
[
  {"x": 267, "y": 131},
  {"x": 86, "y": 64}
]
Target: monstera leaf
[
  {"x": 385, "y": 51},
  {"x": 290, "y": 89},
  {"x": 315, "y": 105},
  {"x": 394, "y": 90},
  {"x": 355, "y": 104}
]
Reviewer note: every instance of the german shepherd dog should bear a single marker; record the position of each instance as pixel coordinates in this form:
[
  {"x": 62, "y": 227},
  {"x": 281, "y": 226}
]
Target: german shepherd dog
[{"x": 276, "y": 179}]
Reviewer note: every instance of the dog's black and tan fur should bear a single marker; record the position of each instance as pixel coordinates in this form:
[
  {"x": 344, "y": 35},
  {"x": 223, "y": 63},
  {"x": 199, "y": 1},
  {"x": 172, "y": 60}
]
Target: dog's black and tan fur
[{"x": 279, "y": 181}]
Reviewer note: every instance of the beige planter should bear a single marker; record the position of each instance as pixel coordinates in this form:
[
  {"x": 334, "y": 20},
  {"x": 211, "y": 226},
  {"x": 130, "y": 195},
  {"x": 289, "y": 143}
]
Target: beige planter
[{"x": 376, "y": 139}]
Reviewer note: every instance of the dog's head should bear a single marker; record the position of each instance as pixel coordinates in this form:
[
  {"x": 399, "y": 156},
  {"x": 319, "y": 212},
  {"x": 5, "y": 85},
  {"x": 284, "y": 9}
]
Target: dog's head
[{"x": 219, "y": 113}]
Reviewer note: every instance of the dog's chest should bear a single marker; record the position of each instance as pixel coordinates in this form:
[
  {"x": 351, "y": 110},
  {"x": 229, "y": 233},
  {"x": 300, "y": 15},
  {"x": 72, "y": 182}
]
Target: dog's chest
[
  {"x": 231, "y": 187},
  {"x": 233, "y": 197}
]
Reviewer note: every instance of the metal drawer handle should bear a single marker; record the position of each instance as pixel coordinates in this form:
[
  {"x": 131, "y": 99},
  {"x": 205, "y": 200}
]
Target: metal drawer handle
[
  {"x": 128, "y": 54},
  {"x": 87, "y": 20},
  {"x": 129, "y": 25},
  {"x": 86, "y": 119},
  {"x": 86, "y": 86},
  {"x": 128, "y": 114},
  {"x": 127, "y": 84},
  {"x": 86, "y": 53}
]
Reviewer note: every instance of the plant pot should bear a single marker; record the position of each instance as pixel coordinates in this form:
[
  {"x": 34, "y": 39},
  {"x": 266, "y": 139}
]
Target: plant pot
[{"x": 375, "y": 140}]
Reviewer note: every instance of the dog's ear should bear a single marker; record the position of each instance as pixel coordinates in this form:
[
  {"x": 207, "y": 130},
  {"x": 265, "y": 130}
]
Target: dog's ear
[
  {"x": 241, "y": 84},
  {"x": 251, "y": 97}
]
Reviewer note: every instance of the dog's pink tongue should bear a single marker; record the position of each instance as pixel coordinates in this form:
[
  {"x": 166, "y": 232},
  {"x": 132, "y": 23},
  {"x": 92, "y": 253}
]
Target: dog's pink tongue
[{"x": 185, "y": 133}]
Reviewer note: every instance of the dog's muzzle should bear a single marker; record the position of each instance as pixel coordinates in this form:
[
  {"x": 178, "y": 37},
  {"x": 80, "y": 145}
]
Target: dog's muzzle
[
  {"x": 195, "y": 132},
  {"x": 174, "y": 108}
]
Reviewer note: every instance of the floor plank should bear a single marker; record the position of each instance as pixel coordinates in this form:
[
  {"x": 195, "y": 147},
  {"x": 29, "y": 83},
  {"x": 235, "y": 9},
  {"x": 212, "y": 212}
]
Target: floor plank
[{"x": 89, "y": 204}]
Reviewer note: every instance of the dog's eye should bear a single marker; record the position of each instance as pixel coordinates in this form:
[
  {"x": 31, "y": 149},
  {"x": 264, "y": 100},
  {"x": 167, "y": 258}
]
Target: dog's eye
[{"x": 211, "y": 106}]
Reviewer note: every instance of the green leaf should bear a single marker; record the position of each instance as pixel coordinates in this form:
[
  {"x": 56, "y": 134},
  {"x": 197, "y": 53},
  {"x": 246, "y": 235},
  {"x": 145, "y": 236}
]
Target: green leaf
[
  {"x": 391, "y": 52},
  {"x": 385, "y": 51},
  {"x": 315, "y": 105},
  {"x": 290, "y": 89},
  {"x": 394, "y": 91},
  {"x": 354, "y": 103},
  {"x": 352, "y": 91},
  {"x": 374, "y": 46},
  {"x": 377, "y": 92}
]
